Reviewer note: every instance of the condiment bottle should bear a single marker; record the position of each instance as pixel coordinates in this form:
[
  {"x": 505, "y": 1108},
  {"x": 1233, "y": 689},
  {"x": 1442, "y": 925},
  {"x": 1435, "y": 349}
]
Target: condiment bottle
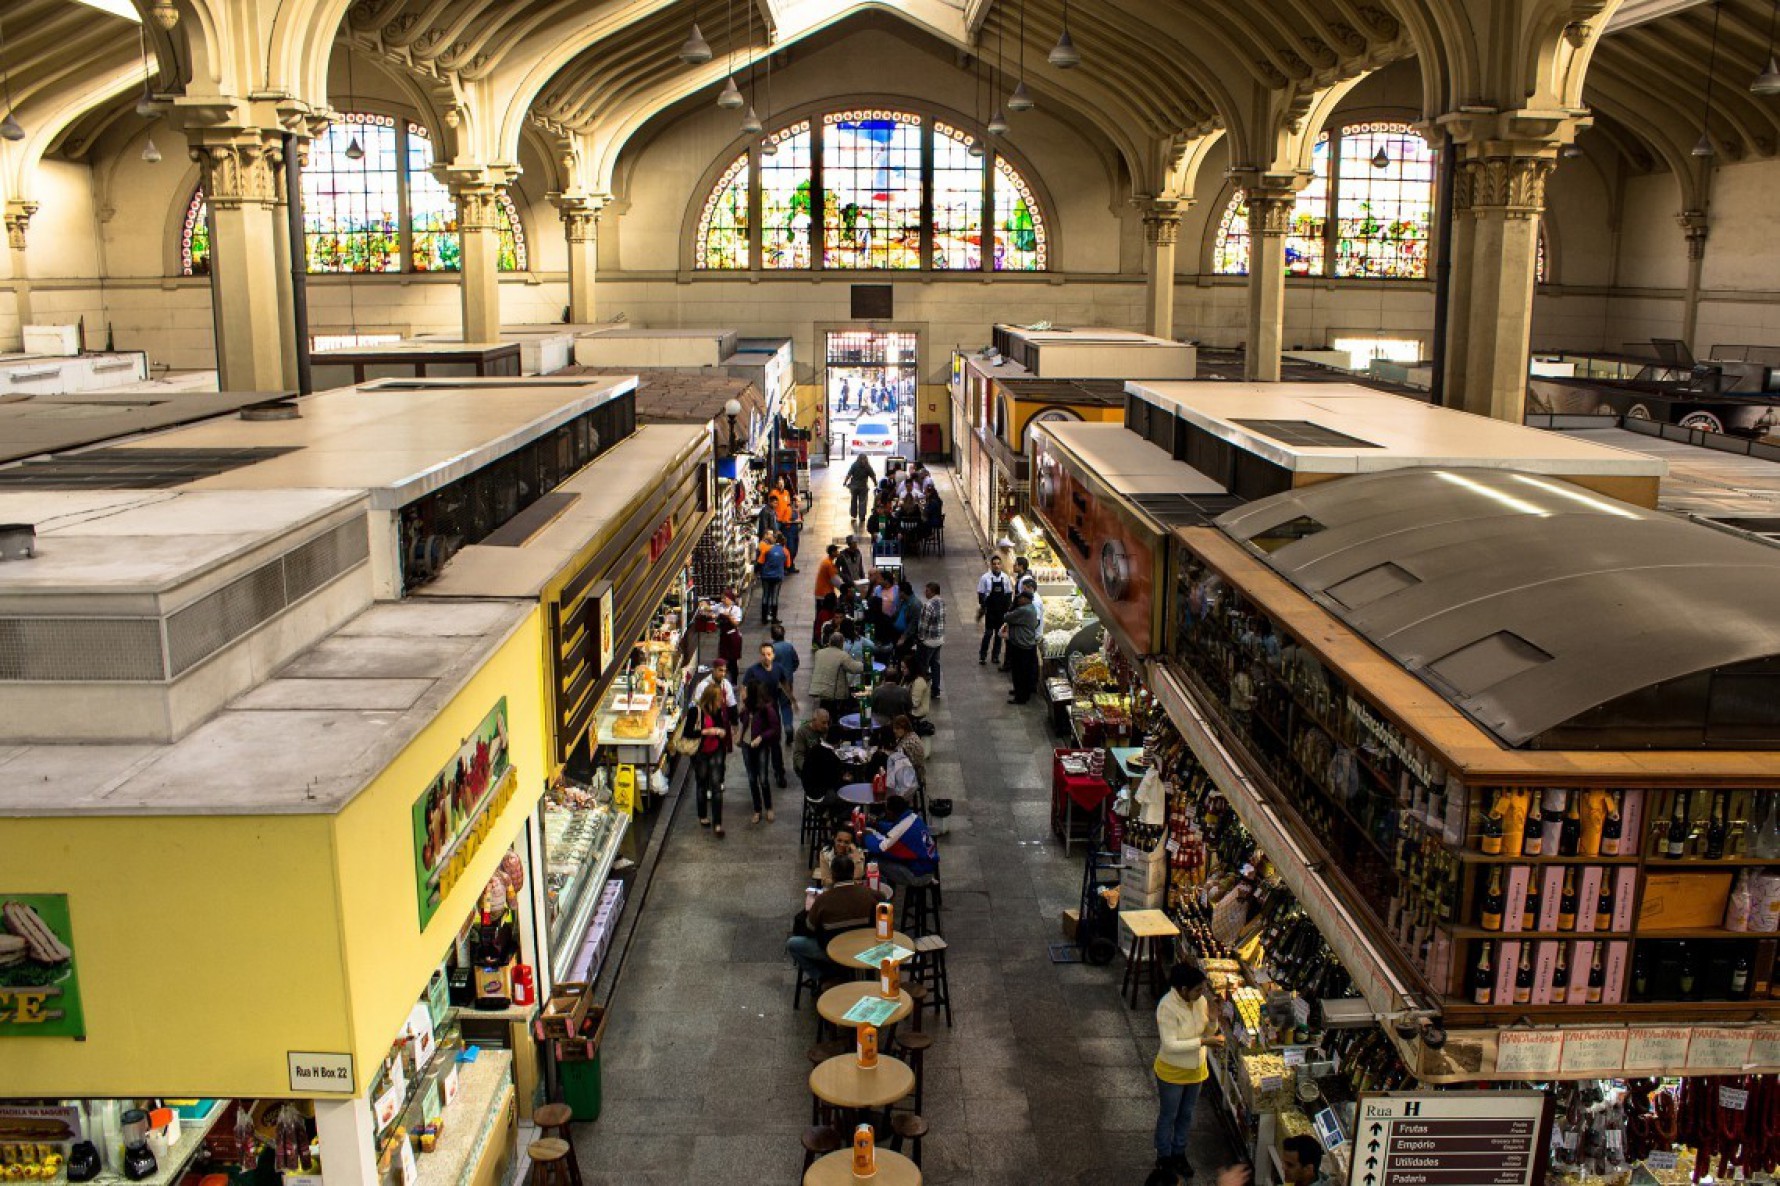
[
  {"x": 868, "y": 1046},
  {"x": 865, "y": 1155},
  {"x": 889, "y": 980},
  {"x": 885, "y": 916}
]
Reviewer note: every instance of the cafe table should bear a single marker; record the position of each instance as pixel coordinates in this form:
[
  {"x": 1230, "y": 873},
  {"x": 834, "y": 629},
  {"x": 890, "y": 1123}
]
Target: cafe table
[
  {"x": 834, "y": 1003},
  {"x": 859, "y": 794},
  {"x": 845, "y": 947},
  {"x": 836, "y": 1169},
  {"x": 841, "y": 1082}
]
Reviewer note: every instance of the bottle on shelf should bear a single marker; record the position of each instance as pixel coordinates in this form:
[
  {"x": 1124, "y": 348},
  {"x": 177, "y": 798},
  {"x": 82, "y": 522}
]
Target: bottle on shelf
[
  {"x": 1570, "y": 834},
  {"x": 1523, "y": 976},
  {"x": 1560, "y": 975},
  {"x": 1611, "y": 827},
  {"x": 1597, "y": 976},
  {"x": 1764, "y": 842},
  {"x": 1529, "y": 912},
  {"x": 1675, "y": 844},
  {"x": 1641, "y": 974},
  {"x": 1493, "y": 900},
  {"x": 1483, "y": 978},
  {"x": 1604, "y": 903},
  {"x": 1490, "y": 836},
  {"x": 1738, "y": 905},
  {"x": 1685, "y": 977},
  {"x": 1740, "y": 976},
  {"x": 1567, "y": 901},
  {"x": 1716, "y": 826},
  {"x": 1532, "y": 840}
]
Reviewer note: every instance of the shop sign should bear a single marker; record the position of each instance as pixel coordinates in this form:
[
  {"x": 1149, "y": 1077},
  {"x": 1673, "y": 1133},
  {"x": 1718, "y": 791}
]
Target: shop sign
[
  {"x": 312, "y": 1072},
  {"x": 39, "y": 982},
  {"x": 452, "y": 819},
  {"x": 47, "y": 1124},
  {"x": 1387, "y": 735},
  {"x": 1480, "y": 1138}
]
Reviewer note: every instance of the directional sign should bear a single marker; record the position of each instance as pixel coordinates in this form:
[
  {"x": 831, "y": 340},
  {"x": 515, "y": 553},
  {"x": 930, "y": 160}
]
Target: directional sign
[{"x": 1449, "y": 1138}]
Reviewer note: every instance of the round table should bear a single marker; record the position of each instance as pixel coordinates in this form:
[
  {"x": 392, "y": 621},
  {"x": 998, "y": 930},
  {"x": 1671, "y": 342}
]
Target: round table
[
  {"x": 834, "y": 1003},
  {"x": 836, "y": 1169},
  {"x": 851, "y": 724},
  {"x": 845, "y": 947},
  {"x": 842, "y": 1083},
  {"x": 859, "y": 794}
]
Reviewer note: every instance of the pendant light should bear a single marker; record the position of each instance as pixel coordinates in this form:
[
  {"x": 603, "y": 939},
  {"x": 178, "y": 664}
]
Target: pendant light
[
  {"x": 1064, "y": 55},
  {"x": 146, "y": 106},
  {"x": 1381, "y": 159},
  {"x": 751, "y": 125},
  {"x": 1021, "y": 99},
  {"x": 150, "y": 153},
  {"x": 10, "y": 128},
  {"x": 1768, "y": 81},
  {"x": 354, "y": 150},
  {"x": 1703, "y": 149},
  {"x": 976, "y": 150},
  {"x": 730, "y": 98},
  {"x": 696, "y": 51},
  {"x": 998, "y": 121}
]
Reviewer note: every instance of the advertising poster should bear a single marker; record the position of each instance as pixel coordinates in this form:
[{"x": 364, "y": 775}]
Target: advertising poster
[
  {"x": 450, "y": 817},
  {"x": 39, "y": 985}
]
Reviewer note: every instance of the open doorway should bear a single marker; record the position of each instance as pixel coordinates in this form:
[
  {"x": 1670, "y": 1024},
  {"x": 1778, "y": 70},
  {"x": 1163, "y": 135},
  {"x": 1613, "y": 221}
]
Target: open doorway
[{"x": 871, "y": 376}]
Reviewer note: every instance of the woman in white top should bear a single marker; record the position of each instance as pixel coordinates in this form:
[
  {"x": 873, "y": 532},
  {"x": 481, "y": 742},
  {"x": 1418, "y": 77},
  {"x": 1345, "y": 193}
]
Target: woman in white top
[{"x": 1187, "y": 1029}]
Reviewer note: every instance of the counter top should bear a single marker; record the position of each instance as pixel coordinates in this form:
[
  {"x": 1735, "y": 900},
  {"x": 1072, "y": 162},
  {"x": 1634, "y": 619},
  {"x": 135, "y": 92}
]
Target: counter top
[{"x": 470, "y": 1119}]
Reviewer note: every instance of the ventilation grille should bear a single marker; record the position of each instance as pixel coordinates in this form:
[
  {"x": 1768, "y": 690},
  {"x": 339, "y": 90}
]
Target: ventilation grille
[
  {"x": 128, "y": 650},
  {"x": 1305, "y": 434},
  {"x": 1184, "y": 510},
  {"x": 132, "y": 469}
]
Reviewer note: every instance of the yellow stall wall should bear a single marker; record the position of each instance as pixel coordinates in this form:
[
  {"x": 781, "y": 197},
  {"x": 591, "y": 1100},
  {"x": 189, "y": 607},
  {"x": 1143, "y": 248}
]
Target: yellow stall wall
[
  {"x": 387, "y": 958},
  {"x": 1024, "y": 410}
]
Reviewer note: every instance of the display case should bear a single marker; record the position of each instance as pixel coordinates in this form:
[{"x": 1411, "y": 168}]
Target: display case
[
  {"x": 582, "y": 836},
  {"x": 723, "y": 557}
]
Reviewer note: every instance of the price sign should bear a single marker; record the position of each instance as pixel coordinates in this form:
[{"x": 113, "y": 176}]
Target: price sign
[
  {"x": 1294, "y": 1056},
  {"x": 1733, "y": 1099},
  {"x": 1656, "y": 1048},
  {"x": 1272, "y": 1083},
  {"x": 1529, "y": 1052},
  {"x": 1764, "y": 1048},
  {"x": 1594, "y": 1050},
  {"x": 1300, "y": 1010},
  {"x": 1664, "y": 1160},
  {"x": 1713, "y": 1047},
  {"x": 1478, "y": 1138}
]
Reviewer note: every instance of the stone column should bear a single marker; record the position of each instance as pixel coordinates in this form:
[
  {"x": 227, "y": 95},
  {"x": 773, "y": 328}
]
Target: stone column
[
  {"x": 242, "y": 171},
  {"x": 580, "y": 224},
  {"x": 1505, "y": 195},
  {"x": 1694, "y": 225},
  {"x": 1269, "y": 222},
  {"x": 479, "y": 230},
  {"x": 18, "y": 218},
  {"x": 1161, "y": 228},
  {"x": 1458, "y": 292}
]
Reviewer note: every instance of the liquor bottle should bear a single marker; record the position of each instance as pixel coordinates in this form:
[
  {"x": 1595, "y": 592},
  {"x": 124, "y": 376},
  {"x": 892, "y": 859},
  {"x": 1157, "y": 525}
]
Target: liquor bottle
[
  {"x": 1532, "y": 840},
  {"x": 1684, "y": 970},
  {"x": 1560, "y": 975},
  {"x": 1567, "y": 901},
  {"x": 1490, "y": 839},
  {"x": 1529, "y": 913},
  {"x": 1675, "y": 847},
  {"x": 1740, "y": 976},
  {"x": 1493, "y": 900},
  {"x": 1597, "y": 976},
  {"x": 1570, "y": 836},
  {"x": 1523, "y": 976},
  {"x": 1641, "y": 975},
  {"x": 1483, "y": 978},
  {"x": 1716, "y": 826},
  {"x": 1611, "y": 828},
  {"x": 1604, "y": 903}
]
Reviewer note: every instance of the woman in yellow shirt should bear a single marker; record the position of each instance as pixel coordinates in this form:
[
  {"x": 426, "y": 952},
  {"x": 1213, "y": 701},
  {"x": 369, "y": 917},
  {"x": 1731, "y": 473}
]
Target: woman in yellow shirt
[{"x": 1186, "y": 1028}]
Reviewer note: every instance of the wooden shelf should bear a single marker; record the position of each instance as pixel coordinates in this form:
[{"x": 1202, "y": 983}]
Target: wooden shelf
[
  {"x": 1703, "y": 865},
  {"x": 1473, "y": 857},
  {"x": 1709, "y": 933},
  {"x": 1472, "y": 932}
]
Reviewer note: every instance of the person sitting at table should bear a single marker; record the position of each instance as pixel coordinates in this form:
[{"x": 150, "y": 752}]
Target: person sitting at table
[
  {"x": 842, "y": 845},
  {"x": 845, "y": 906},
  {"x": 890, "y": 699},
  {"x": 933, "y": 511},
  {"x": 819, "y": 768},
  {"x": 905, "y": 741},
  {"x": 902, "y": 846},
  {"x": 883, "y": 527},
  {"x": 830, "y": 684},
  {"x": 911, "y": 523},
  {"x": 854, "y": 639}
]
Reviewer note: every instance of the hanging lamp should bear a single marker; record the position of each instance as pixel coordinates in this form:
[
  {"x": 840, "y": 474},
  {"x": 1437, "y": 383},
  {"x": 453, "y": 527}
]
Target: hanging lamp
[
  {"x": 150, "y": 153},
  {"x": 998, "y": 121},
  {"x": 1064, "y": 55},
  {"x": 696, "y": 51},
  {"x": 146, "y": 106},
  {"x": 767, "y": 146},
  {"x": 10, "y": 128},
  {"x": 1768, "y": 81},
  {"x": 976, "y": 150},
  {"x": 354, "y": 150},
  {"x": 751, "y": 124},
  {"x": 1381, "y": 159},
  {"x": 1021, "y": 99},
  {"x": 1704, "y": 148},
  {"x": 730, "y": 98}
]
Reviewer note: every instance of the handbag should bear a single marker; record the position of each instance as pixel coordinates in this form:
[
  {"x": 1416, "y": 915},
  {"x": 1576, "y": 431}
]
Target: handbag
[{"x": 685, "y": 743}]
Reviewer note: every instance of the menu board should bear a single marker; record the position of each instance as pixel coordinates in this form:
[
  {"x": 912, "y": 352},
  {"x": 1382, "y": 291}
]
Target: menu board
[{"x": 1479, "y": 1138}]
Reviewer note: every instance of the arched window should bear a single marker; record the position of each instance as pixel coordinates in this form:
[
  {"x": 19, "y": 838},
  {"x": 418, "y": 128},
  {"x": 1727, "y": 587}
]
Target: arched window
[
  {"x": 870, "y": 190},
  {"x": 1305, "y": 248},
  {"x": 384, "y": 212}
]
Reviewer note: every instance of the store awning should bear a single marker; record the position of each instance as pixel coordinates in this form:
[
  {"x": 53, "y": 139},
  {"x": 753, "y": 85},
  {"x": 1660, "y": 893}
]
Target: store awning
[{"x": 1552, "y": 616}]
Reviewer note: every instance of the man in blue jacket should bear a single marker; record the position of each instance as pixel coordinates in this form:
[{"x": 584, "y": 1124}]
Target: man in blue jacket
[
  {"x": 774, "y": 561},
  {"x": 902, "y": 846}
]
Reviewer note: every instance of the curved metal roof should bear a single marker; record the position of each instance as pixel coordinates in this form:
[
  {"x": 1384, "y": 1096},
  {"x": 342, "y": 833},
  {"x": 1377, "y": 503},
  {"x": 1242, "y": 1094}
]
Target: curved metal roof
[{"x": 1534, "y": 604}]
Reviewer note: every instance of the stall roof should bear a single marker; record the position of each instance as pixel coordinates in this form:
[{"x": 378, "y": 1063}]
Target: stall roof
[
  {"x": 35, "y": 424},
  {"x": 306, "y": 741},
  {"x": 601, "y": 499},
  {"x": 1169, "y": 493},
  {"x": 1087, "y": 335},
  {"x": 667, "y": 395},
  {"x": 1533, "y": 604},
  {"x": 1100, "y": 393},
  {"x": 1339, "y": 428}
]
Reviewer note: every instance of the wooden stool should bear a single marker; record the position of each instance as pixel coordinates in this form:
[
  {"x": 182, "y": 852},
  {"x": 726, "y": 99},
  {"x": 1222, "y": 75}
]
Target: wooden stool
[
  {"x": 908, "y": 1126},
  {"x": 821, "y": 1052},
  {"x": 920, "y": 909},
  {"x": 553, "y": 1120},
  {"x": 814, "y": 830},
  {"x": 1143, "y": 957},
  {"x": 913, "y": 1048},
  {"x": 805, "y": 980},
  {"x": 819, "y": 1140},
  {"x": 928, "y": 969},
  {"x": 551, "y": 1159}
]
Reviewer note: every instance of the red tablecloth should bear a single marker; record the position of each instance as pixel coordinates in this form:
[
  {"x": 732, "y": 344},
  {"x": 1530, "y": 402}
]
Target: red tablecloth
[{"x": 1086, "y": 791}]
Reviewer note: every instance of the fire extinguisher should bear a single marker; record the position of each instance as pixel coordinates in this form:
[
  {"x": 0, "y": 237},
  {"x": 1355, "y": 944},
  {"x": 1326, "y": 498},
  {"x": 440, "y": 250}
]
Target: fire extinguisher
[{"x": 524, "y": 992}]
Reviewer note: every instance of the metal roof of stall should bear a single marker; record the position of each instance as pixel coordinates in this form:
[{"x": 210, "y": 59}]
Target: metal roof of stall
[{"x": 1538, "y": 607}]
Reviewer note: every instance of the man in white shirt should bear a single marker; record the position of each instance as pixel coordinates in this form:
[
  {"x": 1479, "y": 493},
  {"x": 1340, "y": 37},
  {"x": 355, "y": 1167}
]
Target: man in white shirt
[
  {"x": 720, "y": 675},
  {"x": 995, "y": 596}
]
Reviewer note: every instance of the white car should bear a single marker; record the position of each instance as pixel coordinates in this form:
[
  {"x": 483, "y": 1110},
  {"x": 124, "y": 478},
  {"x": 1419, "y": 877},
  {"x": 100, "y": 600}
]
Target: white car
[{"x": 872, "y": 434}]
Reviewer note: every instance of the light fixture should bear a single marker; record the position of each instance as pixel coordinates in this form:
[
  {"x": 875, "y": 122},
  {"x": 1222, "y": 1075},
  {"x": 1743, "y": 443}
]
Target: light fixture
[
  {"x": 1381, "y": 159},
  {"x": 998, "y": 123},
  {"x": 1021, "y": 99},
  {"x": 696, "y": 51},
  {"x": 150, "y": 153},
  {"x": 976, "y": 150},
  {"x": 10, "y": 128},
  {"x": 1768, "y": 81},
  {"x": 731, "y": 98},
  {"x": 354, "y": 150},
  {"x": 1703, "y": 149},
  {"x": 165, "y": 14},
  {"x": 146, "y": 106},
  {"x": 769, "y": 147},
  {"x": 751, "y": 125},
  {"x": 1064, "y": 55}
]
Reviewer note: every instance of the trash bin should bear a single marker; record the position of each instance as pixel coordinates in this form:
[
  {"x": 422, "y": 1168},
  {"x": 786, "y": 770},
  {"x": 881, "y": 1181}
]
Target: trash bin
[{"x": 580, "y": 1081}]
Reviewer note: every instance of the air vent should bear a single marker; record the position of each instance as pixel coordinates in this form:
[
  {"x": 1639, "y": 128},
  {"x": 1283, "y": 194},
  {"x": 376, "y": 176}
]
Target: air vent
[
  {"x": 1474, "y": 669},
  {"x": 1372, "y": 585},
  {"x": 1184, "y": 510},
  {"x": 131, "y": 469},
  {"x": 1305, "y": 434}
]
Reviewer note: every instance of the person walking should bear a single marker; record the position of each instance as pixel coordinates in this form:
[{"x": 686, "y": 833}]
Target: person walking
[
  {"x": 792, "y": 529},
  {"x": 1185, "y": 1027},
  {"x": 786, "y": 659},
  {"x": 761, "y": 730},
  {"x": 859, "y": 480},
  {"x": 930, "y": 635},
  {"x": 774, "y": 682},
  {"x": 712, "y": 719},
  {"x": 774, "y": 561},
  {"x": 728, "y": 614},
  {"x": 1024, "y": 632},
  {"x": 995, "y": 596}
]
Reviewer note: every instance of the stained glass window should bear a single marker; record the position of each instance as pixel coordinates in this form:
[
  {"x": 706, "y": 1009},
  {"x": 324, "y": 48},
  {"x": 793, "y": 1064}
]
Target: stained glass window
[
  {"x": 1229, "y": 255},
  {"x": 787, "y": 204},
  {"x": 1385, "y": 202},
  {"x": 957, "y": 201},
  {"x": 434, "y": 245},
  {"x": 871, "y": 176},
  {"x": 723, "y": 223},
  {"x": 1019, "y": 234},
  {"x": 352, "y": 208},
  {"x": 194, "y": 237}
]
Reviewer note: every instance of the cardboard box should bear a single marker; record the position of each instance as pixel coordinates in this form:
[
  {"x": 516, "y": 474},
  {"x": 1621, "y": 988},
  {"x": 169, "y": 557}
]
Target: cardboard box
[
  {"x": 1683, "y": 901},
  {"x": 1588, "y": 896},
  {"x": 1544, "y": 966},
  {"x": 1510, "y": 964},
  {"x": 1144, "y": 878},
  {"x": 1130, "y": 899},
  {"x": 1625, "y": 893},
  {"x": 1613, "y": 988},
  {"x": 1631, "y": 819},
  {"x": 1551, "y": 897},
  {"x": 1072, "y": 920},
  {"x": 1130, "y": 855},
  {"x": 1582, "y": 955},
  {"x": 1519, "y": 877}
]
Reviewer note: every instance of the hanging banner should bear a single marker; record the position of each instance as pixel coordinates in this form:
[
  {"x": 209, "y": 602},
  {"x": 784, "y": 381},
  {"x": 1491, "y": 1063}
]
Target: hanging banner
[
  {"x": 452, "y": 816},
  {"x": 39, "y": 985}
]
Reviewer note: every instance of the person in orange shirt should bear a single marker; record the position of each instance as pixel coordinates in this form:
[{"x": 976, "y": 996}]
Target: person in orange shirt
[{"x": 781, "y": 500}]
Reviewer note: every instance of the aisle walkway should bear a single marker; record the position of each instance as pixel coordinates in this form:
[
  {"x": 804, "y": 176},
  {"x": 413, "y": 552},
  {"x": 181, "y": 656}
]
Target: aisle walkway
[{"x": 1045, "y": 1076}]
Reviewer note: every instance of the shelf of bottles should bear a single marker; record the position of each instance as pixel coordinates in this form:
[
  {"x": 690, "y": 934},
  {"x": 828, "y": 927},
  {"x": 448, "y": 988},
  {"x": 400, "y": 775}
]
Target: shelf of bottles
[
  {"x": 1522, "y": 902},
  {"x": 722, "y": 558}
]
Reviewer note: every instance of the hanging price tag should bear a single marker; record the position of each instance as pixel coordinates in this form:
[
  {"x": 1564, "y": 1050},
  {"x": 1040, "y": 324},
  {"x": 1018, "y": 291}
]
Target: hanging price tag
[
  {"x": 1294, "y": 1056},
  {"x": 1733, "y": 1099},
  {"x": 1661, "y": 1161},
  {"x": 1272, "y": 1082}
]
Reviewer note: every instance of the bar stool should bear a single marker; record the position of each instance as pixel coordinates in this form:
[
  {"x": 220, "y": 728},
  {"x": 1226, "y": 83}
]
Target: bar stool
[
  {"x": 920, "y": 908},
  {"x": 819, "y": 1140},
  {"x": 553, "y": 1120},
  {"x": 908, "y": 1126},
  {"x": 913, "y": 1048},
  {"x": 1144, "y": 955},
  {"x": 814, "y": 829},
  {"x": 928, "y": 969},
  {"x": 551, "y": 1158}
]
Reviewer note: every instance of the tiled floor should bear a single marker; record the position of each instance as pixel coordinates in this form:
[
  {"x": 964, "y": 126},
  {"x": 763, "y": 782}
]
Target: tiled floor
[{"x": 1045, "y": 1076}]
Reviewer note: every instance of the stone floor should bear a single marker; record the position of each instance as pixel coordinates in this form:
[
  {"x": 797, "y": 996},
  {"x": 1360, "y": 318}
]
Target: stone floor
[{"x": 1045, "y": 1076}]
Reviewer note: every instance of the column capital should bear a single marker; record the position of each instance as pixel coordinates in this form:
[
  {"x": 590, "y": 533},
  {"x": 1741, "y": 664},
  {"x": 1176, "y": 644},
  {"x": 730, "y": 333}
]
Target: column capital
[
  {"x": 18, "y": 217},
  {"x": 1161, "y": 217},
  {"x": 580, "y": 214},
  {"x": 478, "y": 190},
  {"x": 1695, "y": 226},
  {"x": 1503, "y": 186},
  {"x": 239, "y": 166},
  {"x": 1485, "y": 132}
]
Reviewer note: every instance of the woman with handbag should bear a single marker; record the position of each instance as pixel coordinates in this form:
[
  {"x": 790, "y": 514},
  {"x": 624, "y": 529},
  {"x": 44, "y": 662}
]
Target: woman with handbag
[
  {"x": 761, "y": 728},
  {"x": 712, "y": 722}
]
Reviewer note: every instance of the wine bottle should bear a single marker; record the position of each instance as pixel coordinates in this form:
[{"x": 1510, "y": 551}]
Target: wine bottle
[
  {"x": 1570, "y": 835},
  {"x": 1532, "y": 839},
  {"x": 1740, "y": 976},
  {"x": 1529, "y": 913},
  {"x": 1493, "y": 899},
  {"x": 1604, "y": 903},
  {"x": 1597, "y": 976},
  {"x": 1490, "y": 840},
  {"x": 1716, "y": 826},
  {"x": 1676, "y": 846},
  {"x": 1567, "y": 901},
  {"x": 1483, "y": 979},
  {"x": 1523, "y": 975},
  {"x": 1560, "y": 976},
  {"x": 1641, "y": 975},
  {"x": 1684, "y": 970},
  {"x": 1611, "y": 828}
]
